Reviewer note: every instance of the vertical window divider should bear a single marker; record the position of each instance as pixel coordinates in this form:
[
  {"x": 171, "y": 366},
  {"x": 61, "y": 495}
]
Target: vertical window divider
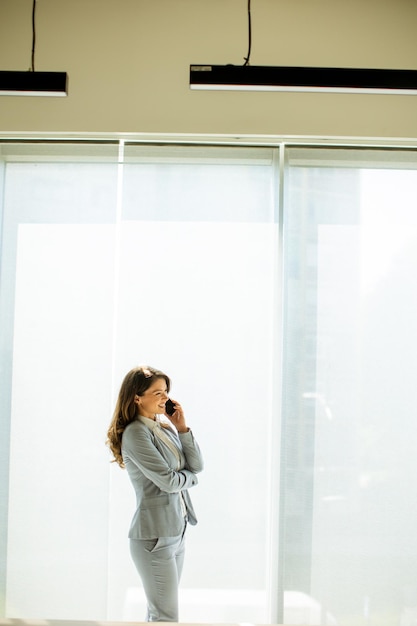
[
  {"x": 116, "y": 289},
  {"x": 274, "y": 589}
]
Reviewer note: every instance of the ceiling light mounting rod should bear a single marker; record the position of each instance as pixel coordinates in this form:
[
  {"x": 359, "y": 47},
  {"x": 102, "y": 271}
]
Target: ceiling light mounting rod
[
  {"x": 247, "y": 57},
  {"x": 32, "y": 66}
]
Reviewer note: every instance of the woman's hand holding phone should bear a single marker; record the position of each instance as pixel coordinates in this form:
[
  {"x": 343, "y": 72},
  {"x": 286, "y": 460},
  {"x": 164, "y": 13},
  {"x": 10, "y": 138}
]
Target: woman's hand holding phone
[{"x": 173, "y": 410}]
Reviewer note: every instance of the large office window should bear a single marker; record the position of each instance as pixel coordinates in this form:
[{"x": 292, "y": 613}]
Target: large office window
[
  {"x": 111, "y": 259},
  {"x": 285, "y": 318}
]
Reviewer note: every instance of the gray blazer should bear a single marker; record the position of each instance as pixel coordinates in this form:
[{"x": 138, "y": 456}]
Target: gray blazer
[{"x": 149, "y": 463}]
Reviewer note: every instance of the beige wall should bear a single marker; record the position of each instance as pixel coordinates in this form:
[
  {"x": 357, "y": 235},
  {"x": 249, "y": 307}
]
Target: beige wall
[{"x": 128, "y": 63}]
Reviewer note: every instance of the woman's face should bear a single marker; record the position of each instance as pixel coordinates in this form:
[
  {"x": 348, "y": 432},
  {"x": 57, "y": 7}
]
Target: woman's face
[{"x": 153, "y": 400}]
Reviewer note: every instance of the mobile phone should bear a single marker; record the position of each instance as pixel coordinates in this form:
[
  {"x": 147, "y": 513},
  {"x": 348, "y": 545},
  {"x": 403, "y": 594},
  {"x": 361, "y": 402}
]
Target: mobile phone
[{"x": 170, "y": 407}]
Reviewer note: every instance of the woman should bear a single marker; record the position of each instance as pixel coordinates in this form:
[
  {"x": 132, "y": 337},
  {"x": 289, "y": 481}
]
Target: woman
[{"x": 162, "y": 459}]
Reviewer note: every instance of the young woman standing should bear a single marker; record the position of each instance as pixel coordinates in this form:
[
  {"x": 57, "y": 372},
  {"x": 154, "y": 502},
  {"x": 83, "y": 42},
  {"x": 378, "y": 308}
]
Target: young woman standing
[{"x": 162, "y": 459}]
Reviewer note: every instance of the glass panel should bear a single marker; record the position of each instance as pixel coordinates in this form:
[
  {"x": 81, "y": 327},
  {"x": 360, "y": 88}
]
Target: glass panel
[
  {"x": 349, "y": 554},
  {"x": 197, "y": 282},
  {"x": 56, "y": 311}
]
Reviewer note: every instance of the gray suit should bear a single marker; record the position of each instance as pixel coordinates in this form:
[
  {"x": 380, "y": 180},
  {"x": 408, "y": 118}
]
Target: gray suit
[
  {"x": 149, "y": 463},
  {"x": 161, "y": 466}
]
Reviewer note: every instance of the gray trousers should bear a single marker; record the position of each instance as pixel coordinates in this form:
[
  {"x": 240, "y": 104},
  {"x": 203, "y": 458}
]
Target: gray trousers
[{"x": 159, "y": 564}]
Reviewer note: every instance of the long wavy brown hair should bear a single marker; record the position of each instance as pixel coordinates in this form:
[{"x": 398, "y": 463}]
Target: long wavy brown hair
[{"x": 135, "y": 383}]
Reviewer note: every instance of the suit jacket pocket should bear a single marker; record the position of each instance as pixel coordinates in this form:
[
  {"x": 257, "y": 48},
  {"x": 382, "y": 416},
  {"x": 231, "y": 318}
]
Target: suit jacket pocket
[
  {"x": 157, "y": 516},
  {"x": 150, "y": 502}
]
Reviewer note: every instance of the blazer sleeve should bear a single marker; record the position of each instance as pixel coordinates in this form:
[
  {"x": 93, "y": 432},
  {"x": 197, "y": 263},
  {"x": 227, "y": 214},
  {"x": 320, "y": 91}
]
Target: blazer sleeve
[
  {"x": 139, "y": 448},
  {"x": 192, "y": 452}
]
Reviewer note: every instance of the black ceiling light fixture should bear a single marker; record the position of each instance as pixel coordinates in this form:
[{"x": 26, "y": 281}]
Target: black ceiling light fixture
[
  {"x": 248, "y": 77},
  {"x": 31, "y": 82}
]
